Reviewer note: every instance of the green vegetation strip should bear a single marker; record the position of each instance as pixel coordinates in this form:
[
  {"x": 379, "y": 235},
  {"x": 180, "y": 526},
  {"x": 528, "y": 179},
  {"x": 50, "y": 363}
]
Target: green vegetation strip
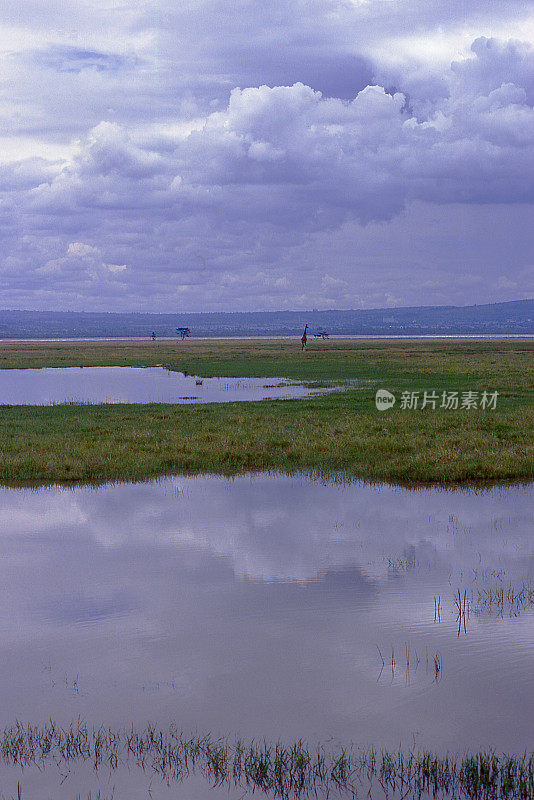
[
  {"x": 278, "y": 770},
  {"x": 337, "y": 433}
]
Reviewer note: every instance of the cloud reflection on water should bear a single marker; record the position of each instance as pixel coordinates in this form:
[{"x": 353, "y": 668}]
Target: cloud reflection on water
[{"x": 258, "y": 604}]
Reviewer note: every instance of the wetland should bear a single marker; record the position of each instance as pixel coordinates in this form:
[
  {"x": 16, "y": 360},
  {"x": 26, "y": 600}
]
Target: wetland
[
  {"x": 269, "y": 608},
  {"x": 294, "y": 597},
  {"x": 330, "y": 433}
]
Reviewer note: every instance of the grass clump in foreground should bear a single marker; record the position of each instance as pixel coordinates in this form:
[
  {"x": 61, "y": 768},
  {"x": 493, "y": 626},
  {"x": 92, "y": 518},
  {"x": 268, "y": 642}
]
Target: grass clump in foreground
[
  {"x": 340, "y": 432},
  {"x": 277, "y": 770}
]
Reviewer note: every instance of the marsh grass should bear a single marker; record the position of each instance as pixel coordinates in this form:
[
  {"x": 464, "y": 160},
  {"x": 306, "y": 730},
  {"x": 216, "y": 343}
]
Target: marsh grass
[
  {"x": 406, "y": 662},
  {"x": 502, "y": 599},
  {"x": 462, "y": 608},
  {"x": 498, "y": 600},
  {"x": 326, "y": 434},
  {"x": 497, "y": 362},
  {"x": 278, "y": 770}
]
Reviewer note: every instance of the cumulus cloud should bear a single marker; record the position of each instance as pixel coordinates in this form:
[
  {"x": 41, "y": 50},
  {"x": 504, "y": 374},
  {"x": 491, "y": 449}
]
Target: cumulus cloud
[
  {"x": 494, "y": 63},
  {"x": 288, "y": 156},
  {"x": 250, "y": 138}
]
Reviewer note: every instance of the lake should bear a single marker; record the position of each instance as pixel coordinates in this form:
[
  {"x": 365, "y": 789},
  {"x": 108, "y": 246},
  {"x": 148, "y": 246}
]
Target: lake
[
  {"x": 269, "y": 606},
  {"x": 51, "y": 385}
]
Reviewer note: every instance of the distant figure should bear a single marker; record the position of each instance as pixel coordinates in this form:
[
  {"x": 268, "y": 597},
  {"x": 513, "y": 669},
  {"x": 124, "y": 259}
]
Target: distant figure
[
  {"x": 153, "y": 336},
  {"x": 304, "y": 338},
  {"x": 183, "y": 332}
]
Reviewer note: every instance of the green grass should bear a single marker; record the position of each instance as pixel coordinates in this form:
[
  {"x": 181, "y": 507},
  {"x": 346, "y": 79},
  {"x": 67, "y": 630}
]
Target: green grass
[
  {"x": 272, "y": 768},
  {"x": 337, "y": 433}
]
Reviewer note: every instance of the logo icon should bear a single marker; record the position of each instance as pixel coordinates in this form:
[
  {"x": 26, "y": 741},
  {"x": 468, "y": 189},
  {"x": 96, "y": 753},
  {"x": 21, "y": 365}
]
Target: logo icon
[{"x": 384, "y": 399}]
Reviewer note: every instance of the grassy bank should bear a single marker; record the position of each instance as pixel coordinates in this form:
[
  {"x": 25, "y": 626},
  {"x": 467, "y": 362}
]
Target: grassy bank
[
  {"x": 274, "y": 769},
  {"x": 329, "y": 433}
]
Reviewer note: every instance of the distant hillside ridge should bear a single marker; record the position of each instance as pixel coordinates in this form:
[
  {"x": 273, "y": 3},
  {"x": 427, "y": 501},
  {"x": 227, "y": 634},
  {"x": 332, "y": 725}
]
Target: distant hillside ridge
[{"x": 513, "y": 317}]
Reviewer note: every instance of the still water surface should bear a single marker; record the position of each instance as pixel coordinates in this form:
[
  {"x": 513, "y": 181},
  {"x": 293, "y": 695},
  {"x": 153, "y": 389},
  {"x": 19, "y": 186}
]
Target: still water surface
[
  {"x": 265, "y": 606},
  {"x": 51, "y": 385}
]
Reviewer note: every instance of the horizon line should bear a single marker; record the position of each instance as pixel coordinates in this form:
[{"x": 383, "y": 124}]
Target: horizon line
[{"x": 267, "y": 311}]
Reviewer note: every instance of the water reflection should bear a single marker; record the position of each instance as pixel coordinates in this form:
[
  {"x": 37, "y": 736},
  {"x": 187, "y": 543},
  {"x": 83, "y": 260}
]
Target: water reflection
[
  {"x": 47, "y": 386},
  {"x": 269, "y": 606}
]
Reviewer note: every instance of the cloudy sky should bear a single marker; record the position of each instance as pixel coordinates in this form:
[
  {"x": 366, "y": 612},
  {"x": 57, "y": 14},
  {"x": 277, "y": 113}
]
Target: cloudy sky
[{"x": 233, "y": 155}]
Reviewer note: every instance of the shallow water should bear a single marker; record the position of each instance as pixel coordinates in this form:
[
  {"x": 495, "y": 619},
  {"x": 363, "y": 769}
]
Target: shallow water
[
  {"x": 49, "y": 385},
  {"x": 265, "y": 606}
]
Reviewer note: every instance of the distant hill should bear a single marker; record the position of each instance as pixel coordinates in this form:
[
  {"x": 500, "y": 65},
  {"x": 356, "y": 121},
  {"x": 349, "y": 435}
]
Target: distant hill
[{"x": 511, "y": 317}]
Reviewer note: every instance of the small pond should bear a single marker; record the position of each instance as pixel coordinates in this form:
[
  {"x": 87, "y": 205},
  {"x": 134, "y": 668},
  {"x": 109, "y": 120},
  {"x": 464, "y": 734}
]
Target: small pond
[
  {"x": 268, "y": 606},
  {"x": 49, "y": 386}
]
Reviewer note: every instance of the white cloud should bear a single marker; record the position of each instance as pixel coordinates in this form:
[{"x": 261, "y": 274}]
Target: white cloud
[{"x": 81, "y": 249}]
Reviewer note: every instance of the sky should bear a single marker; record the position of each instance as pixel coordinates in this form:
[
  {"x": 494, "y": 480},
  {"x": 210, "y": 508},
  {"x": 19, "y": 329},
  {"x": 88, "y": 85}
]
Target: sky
[{"x": 229, "y": 155}]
